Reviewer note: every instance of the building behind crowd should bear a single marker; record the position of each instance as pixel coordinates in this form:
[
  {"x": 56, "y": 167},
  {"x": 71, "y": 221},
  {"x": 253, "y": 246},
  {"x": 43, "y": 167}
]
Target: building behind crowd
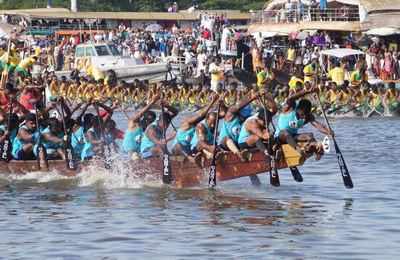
[
  {"x": 59, "y": 21},
  {"x": 353, "y": 16}
]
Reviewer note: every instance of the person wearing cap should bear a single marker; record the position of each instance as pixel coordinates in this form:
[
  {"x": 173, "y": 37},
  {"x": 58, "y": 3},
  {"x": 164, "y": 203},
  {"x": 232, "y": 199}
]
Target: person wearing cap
[
  {"x": 153, "y": 142},
  {"x": 27, "y": 136}
]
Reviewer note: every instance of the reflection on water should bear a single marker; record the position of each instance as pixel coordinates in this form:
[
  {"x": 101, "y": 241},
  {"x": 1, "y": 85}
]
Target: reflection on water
[{"x": 110, "y": 216}]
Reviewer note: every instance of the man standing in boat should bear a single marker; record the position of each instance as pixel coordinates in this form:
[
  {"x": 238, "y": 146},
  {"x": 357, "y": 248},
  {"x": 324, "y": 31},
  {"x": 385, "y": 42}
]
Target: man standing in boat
[{"x": 296, "y": 113}]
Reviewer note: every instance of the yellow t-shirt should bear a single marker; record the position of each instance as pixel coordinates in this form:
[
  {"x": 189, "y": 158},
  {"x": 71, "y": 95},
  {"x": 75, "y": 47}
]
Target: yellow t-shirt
[
  {"x": 26, "y": 63},
  {"x": 337, "y": 75},
  {"x": 217, "y": 73},
  {"x": 308, "y": 70},
  {"x": 291, "y": 53},
  {"x": 293, "y": 81}
]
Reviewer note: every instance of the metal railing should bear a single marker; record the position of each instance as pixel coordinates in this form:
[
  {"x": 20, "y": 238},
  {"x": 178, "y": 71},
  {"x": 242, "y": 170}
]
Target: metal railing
[{"x": 307, "y": 14}]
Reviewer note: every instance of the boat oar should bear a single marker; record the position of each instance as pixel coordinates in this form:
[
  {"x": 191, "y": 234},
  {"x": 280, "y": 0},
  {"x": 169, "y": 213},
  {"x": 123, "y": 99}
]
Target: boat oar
[
  {"x": 296, "y": 174},
  {"x": 348, "y": 183},
  {"x": 294, "y": 170},
  {"x": 5, "y": 147},
  {"x": 41, "y": 151},
  {"x": 167, "y": 174},
  {"x": 68, "y": 150},
  {"x": 273, "y": 171},
  {"x": 105, "y": 147},
  {"x": 212, "y": 175}
]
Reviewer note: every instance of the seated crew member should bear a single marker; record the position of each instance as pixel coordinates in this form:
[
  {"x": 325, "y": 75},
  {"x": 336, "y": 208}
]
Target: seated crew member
[
  {"x": 254, "y": 128},
  {"x": 136, "y": 126},
  {"x": 22, "y": 146},
  {"x": 295, "y": 114},
  {"x": 229, "y": 135},
  {"x": 203, "y": 138},
  {"x": 153, "y": 142},
  {"x": 186, "y": 132},
  {"x": 93, "y": 139},
  {"x": 52, "y": 140}
]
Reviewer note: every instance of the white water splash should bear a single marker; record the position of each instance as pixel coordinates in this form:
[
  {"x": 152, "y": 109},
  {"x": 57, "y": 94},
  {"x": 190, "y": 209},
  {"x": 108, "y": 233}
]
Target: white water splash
[{"x": 120, "y": 176}]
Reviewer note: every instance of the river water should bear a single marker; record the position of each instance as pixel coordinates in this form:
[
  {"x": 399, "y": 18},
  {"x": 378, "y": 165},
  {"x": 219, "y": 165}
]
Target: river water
[{"x": 107, "y": 216}]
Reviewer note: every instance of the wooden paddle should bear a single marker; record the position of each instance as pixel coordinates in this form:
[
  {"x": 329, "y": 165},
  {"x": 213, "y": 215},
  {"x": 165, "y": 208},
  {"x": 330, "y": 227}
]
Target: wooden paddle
[
  {"x": 212, "y": 175},
  {"x": 6, "y": 146},
  {"x": 40, "y": 148},
  {"x": 348, "y": 183},
  {"x": 167, "y": 174},
  {"x": 273, "y": 172},
  {"x": 68, "y": 150},
  {"x": 105, "y": 147}
]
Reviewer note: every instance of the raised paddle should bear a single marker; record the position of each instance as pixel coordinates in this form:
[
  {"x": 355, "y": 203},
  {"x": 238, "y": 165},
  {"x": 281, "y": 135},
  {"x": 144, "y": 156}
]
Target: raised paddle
[
  {"x": 105, "y": 147},
  {"x": 348, "y": 183},
  {"x": 167, "y": 174},
  {"x": 68, "y": 150},
  {"x": 5, "y": 147}
]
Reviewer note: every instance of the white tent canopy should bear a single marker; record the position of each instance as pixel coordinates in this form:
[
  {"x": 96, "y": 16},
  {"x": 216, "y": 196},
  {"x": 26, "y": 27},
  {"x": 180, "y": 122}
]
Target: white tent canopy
[
  {"x": 3, "y": 34},
  {"x": 341, "y": 52},
  {"x": 383, "y": 31}
]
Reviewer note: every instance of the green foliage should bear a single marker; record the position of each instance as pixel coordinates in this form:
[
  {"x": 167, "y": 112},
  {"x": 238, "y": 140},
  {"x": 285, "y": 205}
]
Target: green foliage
[{"x": 134, "y": 5}]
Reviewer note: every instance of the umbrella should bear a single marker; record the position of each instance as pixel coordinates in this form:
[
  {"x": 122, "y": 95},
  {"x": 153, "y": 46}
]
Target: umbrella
[{"x": 155, "y": 27}]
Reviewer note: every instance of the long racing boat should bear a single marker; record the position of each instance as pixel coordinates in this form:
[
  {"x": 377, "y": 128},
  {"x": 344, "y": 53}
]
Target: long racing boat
[{"x": 185, "y": 173}]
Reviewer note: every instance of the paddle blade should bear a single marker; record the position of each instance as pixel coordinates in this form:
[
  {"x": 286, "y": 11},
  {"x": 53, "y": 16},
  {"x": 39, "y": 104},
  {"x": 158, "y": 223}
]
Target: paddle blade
[
  {"x": 255, "y": 181},
  {"x": 212, "y": 176},
  {"x": 274, "y": 178},
  {"x": 5, "y": 150},
  {"x": 348, "y": 183},
  {"x": 296, "y": 174},
  {"x": 167, "y": 177},
  {"x": 71, "y": 165}
]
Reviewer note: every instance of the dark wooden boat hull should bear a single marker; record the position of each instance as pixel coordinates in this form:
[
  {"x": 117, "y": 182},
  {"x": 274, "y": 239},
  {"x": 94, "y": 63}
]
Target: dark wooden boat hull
[{"x": 185, "y": 173}]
